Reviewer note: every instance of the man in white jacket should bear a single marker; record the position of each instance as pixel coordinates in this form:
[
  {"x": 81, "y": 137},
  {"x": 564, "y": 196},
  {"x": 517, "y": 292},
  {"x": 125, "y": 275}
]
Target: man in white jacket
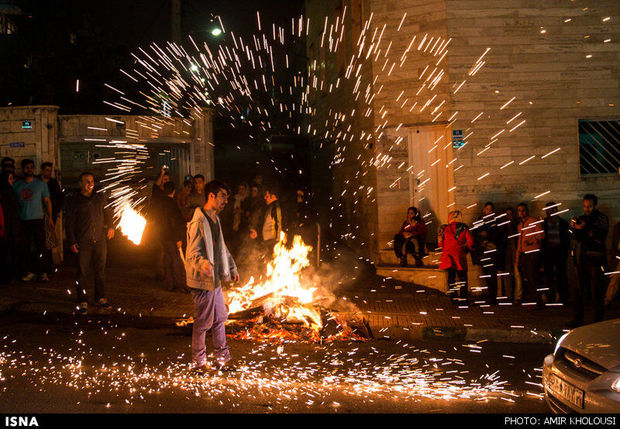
[{"x": 207, "y": 263}]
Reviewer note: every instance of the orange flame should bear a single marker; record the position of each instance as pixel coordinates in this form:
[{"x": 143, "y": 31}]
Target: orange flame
[
  {"x": 282, "y": 292},
  {"x": 132, "y": 224}
]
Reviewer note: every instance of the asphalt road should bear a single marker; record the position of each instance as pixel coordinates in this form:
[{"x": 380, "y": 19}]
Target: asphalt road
[{"x": 51, "y": 365}]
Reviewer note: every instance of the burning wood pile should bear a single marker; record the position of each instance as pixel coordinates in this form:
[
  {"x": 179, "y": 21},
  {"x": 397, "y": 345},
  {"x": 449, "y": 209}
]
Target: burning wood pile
[
  {"x": 288, "y": 322},
  {"x": 284, "y": 307}
]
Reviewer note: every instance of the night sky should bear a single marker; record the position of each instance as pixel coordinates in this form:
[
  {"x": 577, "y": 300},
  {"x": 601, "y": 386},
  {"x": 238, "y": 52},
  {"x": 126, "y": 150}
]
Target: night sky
[{"x": 64, "y": 41}]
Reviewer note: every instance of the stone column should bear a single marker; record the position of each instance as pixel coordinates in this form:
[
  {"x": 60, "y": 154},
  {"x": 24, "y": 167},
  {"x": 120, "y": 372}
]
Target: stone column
[{"x": 201, "y": 152}]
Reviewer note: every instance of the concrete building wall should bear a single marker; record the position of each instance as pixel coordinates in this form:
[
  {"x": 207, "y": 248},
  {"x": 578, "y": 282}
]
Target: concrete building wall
[
  {"x": 538, "y": 55},
  {"x": 409, "y": 57},
  {"x": 201, "y": 150},
  {"x": 29, "y": 132}
]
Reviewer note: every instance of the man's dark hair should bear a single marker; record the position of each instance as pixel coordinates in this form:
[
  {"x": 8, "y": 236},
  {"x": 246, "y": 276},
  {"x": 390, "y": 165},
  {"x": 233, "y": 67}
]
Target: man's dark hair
[
  {"x": 489, "y": 203},
  {"x": 169, "y": 187},
  {"x": 524, "y": 205},
  {"x": 214, "y": 186},
  {"x": 591, "y": 197},
  {"x": 7, "y": 160},
  {"x": 26, "y": 162},
  {"x": 85, "y": 173},
  {"x": 199, "y": 176},
  {"x": 46, "y": 164},
  {"x": 272, "y": 188}
]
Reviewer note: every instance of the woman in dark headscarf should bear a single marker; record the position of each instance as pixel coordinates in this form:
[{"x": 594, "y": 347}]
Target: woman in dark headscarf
[{"x": 9, "y": 242}]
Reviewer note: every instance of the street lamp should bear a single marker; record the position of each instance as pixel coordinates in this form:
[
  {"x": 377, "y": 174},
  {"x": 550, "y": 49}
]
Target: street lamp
[{"x": 216, "y": 31}]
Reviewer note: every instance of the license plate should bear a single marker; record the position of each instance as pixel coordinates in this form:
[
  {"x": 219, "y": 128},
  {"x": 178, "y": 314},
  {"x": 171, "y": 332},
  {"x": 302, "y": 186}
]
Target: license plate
[{"x": 565, "y": 390}]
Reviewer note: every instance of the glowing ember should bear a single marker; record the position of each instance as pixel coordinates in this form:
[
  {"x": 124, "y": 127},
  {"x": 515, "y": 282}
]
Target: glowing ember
[{"x": 132, "y": 224}]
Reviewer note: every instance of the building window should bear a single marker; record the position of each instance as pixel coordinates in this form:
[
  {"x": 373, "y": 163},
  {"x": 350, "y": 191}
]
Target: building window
[{"x": 599, "y": 147}]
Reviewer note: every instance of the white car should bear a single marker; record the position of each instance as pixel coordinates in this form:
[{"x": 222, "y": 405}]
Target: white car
[{"x": 583, "y": 373}]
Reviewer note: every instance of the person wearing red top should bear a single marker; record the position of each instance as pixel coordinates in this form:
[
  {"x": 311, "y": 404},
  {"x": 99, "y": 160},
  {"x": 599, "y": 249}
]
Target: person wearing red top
[
  {"x": 455, "y": 240},
  {"x": 411, "y": 239}
]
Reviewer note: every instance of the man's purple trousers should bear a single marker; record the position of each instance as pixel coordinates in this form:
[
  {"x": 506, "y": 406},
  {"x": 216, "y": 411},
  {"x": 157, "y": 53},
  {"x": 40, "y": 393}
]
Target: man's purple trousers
[{"x": 209, "y": 313}]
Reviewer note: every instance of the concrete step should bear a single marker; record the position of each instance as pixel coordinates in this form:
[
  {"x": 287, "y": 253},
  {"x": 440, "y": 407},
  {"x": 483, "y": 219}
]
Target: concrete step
[
  {"x": 387, "y": 257},
  {"x": 428, "y": 276}
]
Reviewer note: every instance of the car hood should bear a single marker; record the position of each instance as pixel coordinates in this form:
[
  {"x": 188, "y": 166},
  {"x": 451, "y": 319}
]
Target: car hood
[{"x": 599, "y": 342}]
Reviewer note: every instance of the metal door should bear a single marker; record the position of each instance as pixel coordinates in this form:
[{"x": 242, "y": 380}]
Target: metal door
[{"x": 175, "y": 157}]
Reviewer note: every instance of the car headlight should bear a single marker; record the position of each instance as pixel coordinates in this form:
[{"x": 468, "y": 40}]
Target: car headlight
[
  {"x": 615, "y": 386},
  {"x": 559, "y": 343}
]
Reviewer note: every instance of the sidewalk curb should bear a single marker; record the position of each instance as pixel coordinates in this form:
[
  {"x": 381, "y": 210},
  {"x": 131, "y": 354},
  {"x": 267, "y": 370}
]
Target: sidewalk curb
[{"x": 523, "y": 336}]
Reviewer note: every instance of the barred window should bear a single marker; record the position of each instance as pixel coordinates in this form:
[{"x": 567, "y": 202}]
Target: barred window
[{"x": 599, "y": 147}]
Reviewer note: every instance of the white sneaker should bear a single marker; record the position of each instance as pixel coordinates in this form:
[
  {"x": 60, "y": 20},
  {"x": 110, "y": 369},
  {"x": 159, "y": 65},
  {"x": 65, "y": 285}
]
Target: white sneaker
[{"x": 28, "y": 277}]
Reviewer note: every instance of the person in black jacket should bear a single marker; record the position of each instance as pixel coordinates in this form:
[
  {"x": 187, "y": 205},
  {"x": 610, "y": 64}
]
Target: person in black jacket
[
  {"x": 555, "y": 248},
  {"x": 486, "y": 237},
  {"x": 171, "y": 224},
  {"x": 9, "y": 244},
  {"x": 89, "y": 225},
  {"x": 590, "y": 232}
]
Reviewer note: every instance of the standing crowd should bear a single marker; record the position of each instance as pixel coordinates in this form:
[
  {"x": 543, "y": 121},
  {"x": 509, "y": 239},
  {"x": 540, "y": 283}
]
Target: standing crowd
[
  {"x": 527, "y": 256},
  {"x": 251, "y": 223},
  {"x": 30, "y": 206}
]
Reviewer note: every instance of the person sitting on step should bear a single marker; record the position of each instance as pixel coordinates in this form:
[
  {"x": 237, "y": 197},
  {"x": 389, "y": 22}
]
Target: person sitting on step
[{"x": 411, "y": 239}]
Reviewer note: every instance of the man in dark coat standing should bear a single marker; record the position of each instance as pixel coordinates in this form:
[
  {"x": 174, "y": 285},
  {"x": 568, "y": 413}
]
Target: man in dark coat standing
[
  {"x": 555, "y": 248},
  {"x": 486, "y": 238},
  {"x": 89, "y": 226},
  {"x": 590, "y": 232},
  {"x": 171, "y": 224}
]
